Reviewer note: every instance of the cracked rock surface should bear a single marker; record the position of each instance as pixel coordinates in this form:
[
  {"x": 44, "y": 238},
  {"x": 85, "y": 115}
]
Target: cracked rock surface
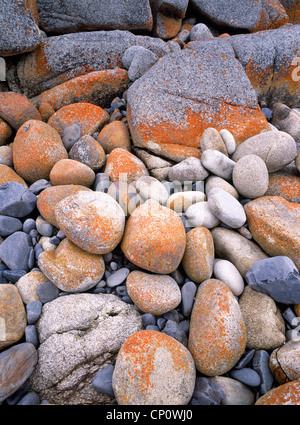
[{"x": 80, "y": 334}]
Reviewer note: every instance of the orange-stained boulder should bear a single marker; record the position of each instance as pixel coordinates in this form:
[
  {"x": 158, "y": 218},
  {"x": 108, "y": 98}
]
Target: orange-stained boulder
[
  {"x": 217, "y": 336},
  {"x": 49, "y": 197},
  {"x": 68, "y": 171},
  {"x": 275, "y": 226},
  {"x": 89, "y": 117},
  {"x": 123, "y": 165},
  {"x": 36, "y": 148},
  {"x": 98, "y": 88},
  {"x": 153, "y": 369},
  {"x": 114, "y": 135},
  {"x": 16, "y": 109},
  {"x": 7, "y": 174},
  {"x": 154, "y": 238},
  {"x": 70, "y": 268},
  {"x": 171, "y": 105},
  {"x": 286, "y": 394}
]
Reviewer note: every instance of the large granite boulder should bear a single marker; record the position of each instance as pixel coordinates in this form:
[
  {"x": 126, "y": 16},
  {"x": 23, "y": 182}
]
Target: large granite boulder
[
  {"x": 75, "y": 346},
  {"x": 184, "y": 93},
  {"x": 270, "y": 61},
  {"x": 63, "y": 57},
  {"x": 59, "y": 17}
]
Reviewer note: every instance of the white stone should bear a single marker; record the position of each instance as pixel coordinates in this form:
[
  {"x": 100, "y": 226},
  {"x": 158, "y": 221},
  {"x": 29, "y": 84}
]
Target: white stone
[
  {"x": 225, "y": 271},
  {"x": 217, "y": 163},
  {"x": 229, "y": 140},
  {"x": 226, "y": 208},
  {"x": 151, "y": 188},
  {"x": 200, "y": 214}
]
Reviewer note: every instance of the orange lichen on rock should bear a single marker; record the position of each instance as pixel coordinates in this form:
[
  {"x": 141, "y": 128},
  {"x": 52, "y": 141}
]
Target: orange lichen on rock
[
  {"x": 36, "y": 148},
  {"x": 16, "y": 109},
  {"x": 114, "y": 135},
  {"x": 275, "y": 226},
  {"x": 154, "y": 238},
  {"x": 49, "y": 197},
  {"x": 151, "y": 369},
  {"x": 70, "y": 268},
  {"x": 5, "y": 132},
  {"x": 123, "y": 165},
  {"x": 7, "y": 174},
  {"x": 273, "y": 16},
  {"x": 286, "y": 394},
  {"x": 286, "y": 185},
  {"x": 98, "y": 88},
  {"x": 198, "y": 259},
  {"x": 217, "y": 336},
  {"x": 68, "y": 171},
  {"x": 89, "y": 117}
]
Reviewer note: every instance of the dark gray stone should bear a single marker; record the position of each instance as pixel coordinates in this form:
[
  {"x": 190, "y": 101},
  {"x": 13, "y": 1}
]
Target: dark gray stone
[
  {"x": 102, "y": 381},
  {"x": 235, "y": 14},
  {"x": 260, "y": 364},
  {"x": 277, "y": 277},
  {"x": 16, "y": 364},
  {"x": 28, "y": 225},
  {"x": 9, "y": 225},
  {"x": 148, "y": 319},
  {"x": 61, "y": 58},
  {"x": 246, "y": 375},
  {"x": 245, "y": 359},
  {"x": 47, "y": 292},
  {"x": 39, "y": 185},
  {"x": 188, "y": 292},
  {"x": 15, "y": 251},
  {"x": 207, "y": 392},
  {"x": 14, "y": 398},
  {"x": 31, "y": 335},
  {"x": 93, "y": 15},
  {"x": 16, "y": 200},
  {"x": 19, "y": 31},
  {"x": 33, "y": 310},
  {"x": 13, "y": 275},
  {"x": 30, "y": 399},
  {"x": 175, "y": 331},
  {"x": 71, "y": 135}
]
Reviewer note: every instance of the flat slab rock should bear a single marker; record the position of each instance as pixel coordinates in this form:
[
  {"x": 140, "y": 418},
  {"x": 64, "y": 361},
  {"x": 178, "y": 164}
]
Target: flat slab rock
[
  {"x": 79, "y": 335},
  {"x": 63, "y": 57},
  {"x": 186, "y": 92},
  {"x": 92, "y": 15}
]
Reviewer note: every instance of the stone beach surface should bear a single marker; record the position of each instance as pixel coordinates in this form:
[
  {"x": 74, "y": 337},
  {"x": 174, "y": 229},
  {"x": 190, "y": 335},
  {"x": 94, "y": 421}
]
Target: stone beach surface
[{"x": 150, "y": 202}]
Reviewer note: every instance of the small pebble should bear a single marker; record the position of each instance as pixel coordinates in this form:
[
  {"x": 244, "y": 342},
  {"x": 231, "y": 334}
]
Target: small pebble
[
  {"x": 173, "y": 329},
  {"x": 247, "y": 376},
  {"x": 117, "y": 278},
  {"x": 47, "y": 292},
  {"x": 102, "y": 382},
  {"x": 148, "y": 319},
  {"x": 260, "y": 364},
  {"x": 9, "y": 225},
  {"x": 188, "y": 292},
  {"x": 30, "y": 399},
  {"x": 13, "y": 275},
  {"x": 33, "y": 310},
  {"x": 31, "y": 335},
  {"x": 245, "y": 359}
]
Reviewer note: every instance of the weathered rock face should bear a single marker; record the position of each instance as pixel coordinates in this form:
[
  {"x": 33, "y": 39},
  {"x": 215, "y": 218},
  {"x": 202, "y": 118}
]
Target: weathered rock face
[
  {"x": 167, "y": 16},
  {"x": 235, "y": 14},
  {"x": 292, "y": 8},
  {"x": 268, "y": 58},
  {"x": 75, "y": 346},
  {"x": 171, "y": 105},
  {"x": 61, "y": 58},
  {"x": 21, "y": 32},
  {"x": 65, "y": 16}
]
